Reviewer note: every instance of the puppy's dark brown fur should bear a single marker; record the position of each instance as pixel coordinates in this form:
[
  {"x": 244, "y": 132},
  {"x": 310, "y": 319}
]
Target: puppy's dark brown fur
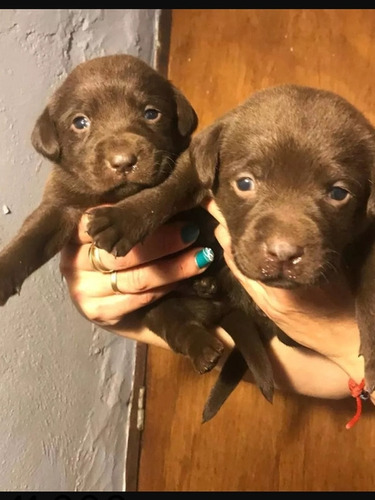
[
  {"x": 292, "y": 172},
  {"x": 294, "y": 168},
  {"x": 114, "y": 128},
  {"x": 105, "y": 143}
]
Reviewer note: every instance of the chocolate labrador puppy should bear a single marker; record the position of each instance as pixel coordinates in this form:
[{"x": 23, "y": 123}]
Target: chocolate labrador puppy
[
  {"x": 114, "y": 128},
  {"x": 292, "y": 171}
]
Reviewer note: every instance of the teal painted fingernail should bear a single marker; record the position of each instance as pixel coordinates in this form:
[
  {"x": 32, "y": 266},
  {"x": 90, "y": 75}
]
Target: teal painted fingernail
[
  {"x": 204, "y": 257},
  {"x": 189, "y": 233}
]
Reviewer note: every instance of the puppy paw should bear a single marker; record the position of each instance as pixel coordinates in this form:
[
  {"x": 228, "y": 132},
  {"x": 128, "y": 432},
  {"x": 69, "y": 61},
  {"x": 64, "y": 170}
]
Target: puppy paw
[
  {"x": 205, "y": 356},
  {"x": 205, "y": 286},
  {"x": 8, "y": 287},
  {"x": 113, "y": 230}
]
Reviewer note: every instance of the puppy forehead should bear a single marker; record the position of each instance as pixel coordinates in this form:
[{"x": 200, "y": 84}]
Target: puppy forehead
[
  {"x": 112, "y": 81},
  {"x": 120, "y": 68},
  {"x": 287, "y": 129}
]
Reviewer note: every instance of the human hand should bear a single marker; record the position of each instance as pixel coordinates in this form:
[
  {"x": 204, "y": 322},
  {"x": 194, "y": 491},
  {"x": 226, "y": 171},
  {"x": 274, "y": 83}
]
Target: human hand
[
  {"x": 149, "y": 271},
  {"x": 321, "y": 318}
]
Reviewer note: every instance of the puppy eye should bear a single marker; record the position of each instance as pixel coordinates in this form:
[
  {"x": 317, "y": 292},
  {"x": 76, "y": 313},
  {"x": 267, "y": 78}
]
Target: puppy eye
[
  {"x": 245, "y": 184},
  {"x": 151, "y": 114},
  {"x": 338, "y": 193},
  {"x": 80, "y": 122}
]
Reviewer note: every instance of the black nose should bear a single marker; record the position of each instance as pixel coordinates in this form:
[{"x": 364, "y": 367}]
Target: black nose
[
  {"x": 124, "y": 162},
  {"x": 283, "y": 250}
]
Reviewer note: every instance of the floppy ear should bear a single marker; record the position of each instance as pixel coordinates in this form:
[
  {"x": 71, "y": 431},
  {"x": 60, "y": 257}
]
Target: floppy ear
[
  {"x": 204, "y": 153},
  {"x": 187, "y": 117},
  {"x": 44, "y": 136}
]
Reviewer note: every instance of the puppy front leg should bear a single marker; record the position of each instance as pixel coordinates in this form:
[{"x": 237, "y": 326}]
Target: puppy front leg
[
  {"x": 41, "y": 236},
  {"x": 118, "y": 228}
]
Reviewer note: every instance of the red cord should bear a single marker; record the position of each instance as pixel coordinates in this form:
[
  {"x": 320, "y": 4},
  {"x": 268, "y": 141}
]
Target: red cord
[{"x": 358, "y": 392}]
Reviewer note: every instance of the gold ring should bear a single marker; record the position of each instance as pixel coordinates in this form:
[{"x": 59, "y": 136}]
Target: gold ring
[
  {"x": 114, "y": 286},
  {"x": 95, "y": 260}
]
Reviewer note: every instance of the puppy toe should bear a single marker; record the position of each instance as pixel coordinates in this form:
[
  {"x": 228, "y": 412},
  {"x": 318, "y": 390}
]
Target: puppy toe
[
  {"x": 209, "y": 356},
  {"x": 107, "y": 240},
  {"x": 97, "y": 224},
  {"x": 122, "y": 247}
]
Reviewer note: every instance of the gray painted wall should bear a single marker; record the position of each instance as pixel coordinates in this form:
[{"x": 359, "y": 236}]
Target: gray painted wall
[{"x": 64, "y": 383}]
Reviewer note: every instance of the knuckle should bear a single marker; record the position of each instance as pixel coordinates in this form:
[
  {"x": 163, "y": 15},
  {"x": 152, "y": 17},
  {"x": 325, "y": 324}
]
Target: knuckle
[
  {"x": 78, "y": 291},
  {"x": 98, "y": 313},
  {"x": 94, "y": 311},
  {"x": 147, "y": 297},
  {"x": 78, "y": 298},
  {"x": 137, "y": 280}
]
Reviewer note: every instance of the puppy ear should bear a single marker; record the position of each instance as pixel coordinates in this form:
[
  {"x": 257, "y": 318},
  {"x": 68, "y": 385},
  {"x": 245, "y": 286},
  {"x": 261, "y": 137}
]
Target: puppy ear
[
  {"x": 204, "y": 153},
  {"x": 44, "y": 136},
  {"x": 187, "y": 117}
]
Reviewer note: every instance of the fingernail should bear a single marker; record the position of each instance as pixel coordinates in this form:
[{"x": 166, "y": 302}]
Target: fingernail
[
  {"x": 204, "y": 257},
  {"x": 189, "y": 233}
]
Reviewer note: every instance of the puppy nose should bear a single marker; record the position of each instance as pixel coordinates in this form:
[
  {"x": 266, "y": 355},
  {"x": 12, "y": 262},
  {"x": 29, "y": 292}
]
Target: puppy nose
[
  {"x": 123, "y": 161},
  {"x": 283, "y": 250}
]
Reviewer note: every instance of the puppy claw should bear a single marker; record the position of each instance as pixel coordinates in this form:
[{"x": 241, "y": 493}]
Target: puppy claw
[{"x": 122, "y": 248}]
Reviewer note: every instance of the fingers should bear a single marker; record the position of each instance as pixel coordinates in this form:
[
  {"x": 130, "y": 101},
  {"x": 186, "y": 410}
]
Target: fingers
[
  {"x": 110, "y": 310},
  {"x": 223, "y": 237},
  {"x": 210, "y": 205},
  {"x": 135, "y": 280},
  {"x": 150, "y": 270},
  {"x": 142, "y": 277},
  {"x": 168, "y": 239}
]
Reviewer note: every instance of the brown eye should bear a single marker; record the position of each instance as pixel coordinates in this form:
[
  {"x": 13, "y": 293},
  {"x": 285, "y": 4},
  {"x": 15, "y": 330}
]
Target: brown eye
[
  {"x": 151, "y": 114},
  {"x": 80, "y": 122}
]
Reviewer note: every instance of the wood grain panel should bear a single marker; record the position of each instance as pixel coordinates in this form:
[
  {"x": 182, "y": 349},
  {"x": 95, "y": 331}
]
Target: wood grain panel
[{"x": 218, "y": 58}]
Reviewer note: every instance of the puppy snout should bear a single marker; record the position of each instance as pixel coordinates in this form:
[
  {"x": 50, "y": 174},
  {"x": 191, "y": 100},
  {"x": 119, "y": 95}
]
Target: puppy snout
[
  {"x": 123, "y": 162},
  {"x": 283, "y": 250}
]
